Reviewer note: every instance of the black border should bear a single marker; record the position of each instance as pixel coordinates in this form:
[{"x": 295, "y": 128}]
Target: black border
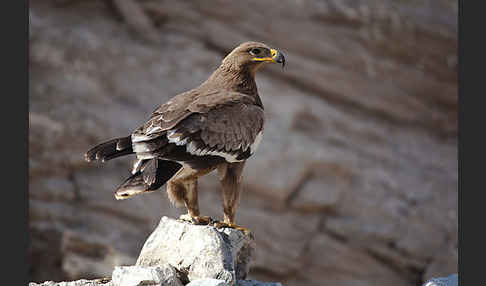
[
  {"x": 471, "y": 143},
  {"x": 15, "y": 140}
]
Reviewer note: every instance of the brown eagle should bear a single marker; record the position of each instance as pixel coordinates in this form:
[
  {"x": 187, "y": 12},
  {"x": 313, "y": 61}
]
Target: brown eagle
[{"x": 217, "y": 125}]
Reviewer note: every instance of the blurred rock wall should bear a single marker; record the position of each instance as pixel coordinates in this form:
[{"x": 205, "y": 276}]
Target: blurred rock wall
[{"x": 355, "y": 182}]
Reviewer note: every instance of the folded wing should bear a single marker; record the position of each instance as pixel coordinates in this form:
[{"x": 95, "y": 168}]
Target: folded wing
[{"x": 222, "y": 124}]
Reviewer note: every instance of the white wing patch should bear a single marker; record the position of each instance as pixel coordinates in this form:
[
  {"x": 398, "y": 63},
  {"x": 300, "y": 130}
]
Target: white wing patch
[
  {"x": 191, "y": 147},
  {"x": 176, "y": 139},
  {"x": 256, "y": 143},
  {"x": 136, "y": 166},
  {"x": 142, "y": 137}
]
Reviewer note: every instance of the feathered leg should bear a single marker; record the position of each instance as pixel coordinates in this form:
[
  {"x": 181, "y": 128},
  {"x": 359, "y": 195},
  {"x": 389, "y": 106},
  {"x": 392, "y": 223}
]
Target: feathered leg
[
  {"x": 230, "y": 175},
  {"x": 182, "y": 188}
]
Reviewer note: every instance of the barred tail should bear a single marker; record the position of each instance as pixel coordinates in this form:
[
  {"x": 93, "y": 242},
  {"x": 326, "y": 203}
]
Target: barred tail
[
  {"x": 110, "y": 150},
  {"x": 151, "y": 175}
]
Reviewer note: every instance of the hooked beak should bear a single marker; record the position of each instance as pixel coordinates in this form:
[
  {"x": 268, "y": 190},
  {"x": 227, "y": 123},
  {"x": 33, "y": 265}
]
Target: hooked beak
[{"x": 277, "y": 57}]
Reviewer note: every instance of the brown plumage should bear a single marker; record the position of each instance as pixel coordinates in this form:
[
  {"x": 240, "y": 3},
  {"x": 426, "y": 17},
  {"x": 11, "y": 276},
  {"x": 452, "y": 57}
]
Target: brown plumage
[{"x": 217, "y": 125}]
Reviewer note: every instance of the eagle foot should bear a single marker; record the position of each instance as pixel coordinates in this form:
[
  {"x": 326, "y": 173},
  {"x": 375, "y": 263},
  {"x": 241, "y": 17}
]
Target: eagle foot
[
  {"x": 199, "y": 220},
  {"x": 220, "y": 224}
]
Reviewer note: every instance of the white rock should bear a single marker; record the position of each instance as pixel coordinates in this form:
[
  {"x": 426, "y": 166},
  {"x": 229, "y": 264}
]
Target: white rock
[
  {"x": 218, "y": 282},
  {"x": 164, "y": 275},
  {"x": 207, "y": 282},
  {"x": 200, "y": 251},
  {"x": 82, "y": 282}
]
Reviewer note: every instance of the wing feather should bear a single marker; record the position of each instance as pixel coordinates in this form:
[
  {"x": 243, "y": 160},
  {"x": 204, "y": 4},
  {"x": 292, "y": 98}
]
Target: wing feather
[{"x": 219, "y": 123}]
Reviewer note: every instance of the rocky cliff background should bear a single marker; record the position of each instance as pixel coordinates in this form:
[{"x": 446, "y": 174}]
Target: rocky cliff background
[{"x": 355, "y": 182}]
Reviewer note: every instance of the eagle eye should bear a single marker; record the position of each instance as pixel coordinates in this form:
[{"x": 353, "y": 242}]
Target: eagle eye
[{"x": 255, "y": 51}]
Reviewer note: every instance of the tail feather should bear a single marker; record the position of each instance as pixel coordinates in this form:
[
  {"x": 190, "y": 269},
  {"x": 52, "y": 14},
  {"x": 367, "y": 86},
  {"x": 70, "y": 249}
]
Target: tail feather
[
  {"x": 110, "y": 150},
  {"x": 152, "y": 174}
]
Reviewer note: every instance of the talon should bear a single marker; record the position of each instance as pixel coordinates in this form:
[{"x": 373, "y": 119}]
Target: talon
[
  {"x": 220, "y": 224},
  {"x": 186, "y": 217},
  {"x": 204, "y": 220}
]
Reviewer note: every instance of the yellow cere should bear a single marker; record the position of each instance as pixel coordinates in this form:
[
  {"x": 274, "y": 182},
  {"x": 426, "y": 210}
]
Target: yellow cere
[{"x": 273, "y": 52}]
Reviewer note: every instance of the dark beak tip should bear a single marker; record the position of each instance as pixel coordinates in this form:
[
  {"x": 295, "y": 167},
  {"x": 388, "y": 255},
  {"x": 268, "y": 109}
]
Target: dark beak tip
[{"x": 283, "y": 61}]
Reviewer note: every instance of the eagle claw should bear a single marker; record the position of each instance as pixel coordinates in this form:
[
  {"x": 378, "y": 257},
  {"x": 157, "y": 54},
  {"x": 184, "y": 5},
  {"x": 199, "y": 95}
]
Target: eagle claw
[
  {"x": 220, "y": 224},
  {"x": 198, "y": 220}
]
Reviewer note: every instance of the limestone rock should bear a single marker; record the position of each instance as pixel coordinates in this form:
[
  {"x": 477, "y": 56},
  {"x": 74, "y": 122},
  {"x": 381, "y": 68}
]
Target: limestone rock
[
  {"x": 164, "y": 275},
  {"x": 198, "y": 251},
  {"x": 218, "y": 282},
  {"x": 81, "y": 282},
  {"x": 207, "y": 282}
]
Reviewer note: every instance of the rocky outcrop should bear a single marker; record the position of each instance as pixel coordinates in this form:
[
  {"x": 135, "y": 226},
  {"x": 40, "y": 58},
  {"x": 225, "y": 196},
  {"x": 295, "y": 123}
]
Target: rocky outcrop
[
  {"x": 163, "y": 274},
  {"x": 354, "y": 182},
  {"x": 217, "y": 282},
  {"x": 199, "y": 251},
  {"x": 180, "y": 253},
  {"x": 135, "y": 280},
  {"x": 81, "y": 282}
]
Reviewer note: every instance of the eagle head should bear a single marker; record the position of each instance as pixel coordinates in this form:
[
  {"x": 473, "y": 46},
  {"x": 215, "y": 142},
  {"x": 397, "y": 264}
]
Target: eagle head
[{"x": 253, "y": 55}]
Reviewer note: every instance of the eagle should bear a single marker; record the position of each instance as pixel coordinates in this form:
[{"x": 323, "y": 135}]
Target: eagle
[{"x": 215, "y": 126}]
